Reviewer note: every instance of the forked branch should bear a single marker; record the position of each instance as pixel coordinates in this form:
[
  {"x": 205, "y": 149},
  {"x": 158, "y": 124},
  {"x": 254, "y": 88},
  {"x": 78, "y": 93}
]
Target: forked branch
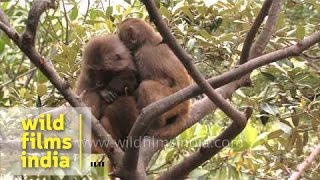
[{"x": 27, "y": 44}]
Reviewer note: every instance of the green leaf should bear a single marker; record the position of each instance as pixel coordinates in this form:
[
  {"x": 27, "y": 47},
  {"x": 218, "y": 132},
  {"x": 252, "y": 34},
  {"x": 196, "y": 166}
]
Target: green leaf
[
  {"x": 275, "y": 134},
  {"x": 41, "y": 89},
  {"x": 109, "y": 11},
  {"x": 170, "y": 155},
  {"x": 22, "y": 92},
  {"x": 300, "y": 32},
  {"x": 41, "y": 78},
  {"x": 165, "y": 12},
  {"x": 268, "y": 75},
  {"x": 251, "y": 134},
  {"x": 204, "y": 34},
  {"x": 96, "y": 13},
  {"x": 187, "y": 12},
  {"x": 2, "y": 44},
  {"x": 299, "y": 145},
  {"x": 292, "y": 139},
  {"x": 110, "y": 25},
  {"x": 74, "y": 13}
]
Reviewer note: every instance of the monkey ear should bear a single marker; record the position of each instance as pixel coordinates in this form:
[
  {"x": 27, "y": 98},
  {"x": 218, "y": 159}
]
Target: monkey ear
[{"x": 131, "y": 33}]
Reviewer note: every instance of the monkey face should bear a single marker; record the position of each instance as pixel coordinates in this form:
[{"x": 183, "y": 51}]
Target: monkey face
[
  {"x": 107, "y": 53},
  {"x": 133, "y": 33},
  {"x": 116, "y": 59}
]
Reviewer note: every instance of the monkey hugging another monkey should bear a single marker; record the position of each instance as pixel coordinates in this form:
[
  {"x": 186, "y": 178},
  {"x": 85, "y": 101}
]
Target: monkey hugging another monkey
[
  {"x": 108, "y": 80},
  {"x": 106, "y": 84}
]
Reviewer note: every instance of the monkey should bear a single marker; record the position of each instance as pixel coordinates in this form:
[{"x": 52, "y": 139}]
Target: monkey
[
  {"x": 161, "y": 74},
  {"x": 106, "y": 83}
]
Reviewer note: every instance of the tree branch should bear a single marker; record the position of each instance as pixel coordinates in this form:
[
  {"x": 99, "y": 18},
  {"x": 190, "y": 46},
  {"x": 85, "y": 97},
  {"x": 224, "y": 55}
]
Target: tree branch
[
  {"x": 214, "y": 146},
  {"x": 163, "y": 105},
  {"x": 186, "y": 60},
  {"x": 266, "y": 33},
  {"x": 19, "y": 76},
  {"x": 205, "y": 152},
  {"x": 305, "y": 164},
  {"x": 143, "y": 122},
  {"x": 204, "y": 106},
  {"x": 26, "y": 44},
  {"x": 253, "y": 31}
]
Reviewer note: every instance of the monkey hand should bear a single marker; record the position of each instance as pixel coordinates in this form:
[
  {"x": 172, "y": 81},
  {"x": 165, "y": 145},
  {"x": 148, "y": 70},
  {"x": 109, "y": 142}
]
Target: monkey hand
[{"x": 108, "y": 96}]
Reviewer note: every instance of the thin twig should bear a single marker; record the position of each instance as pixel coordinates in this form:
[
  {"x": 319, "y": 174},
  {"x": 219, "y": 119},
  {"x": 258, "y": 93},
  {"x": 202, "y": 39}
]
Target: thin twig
[
  {"x": 305, "y": 164},
  {"x": 67, "y": 23}
]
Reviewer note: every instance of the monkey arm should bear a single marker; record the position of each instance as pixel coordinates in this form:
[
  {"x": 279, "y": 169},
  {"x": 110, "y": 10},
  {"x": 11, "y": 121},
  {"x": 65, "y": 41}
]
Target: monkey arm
[
  {"x": 123, "y": 83},
  {"x": 92, "y": 99},
  {"x": 108, "y": 96}
]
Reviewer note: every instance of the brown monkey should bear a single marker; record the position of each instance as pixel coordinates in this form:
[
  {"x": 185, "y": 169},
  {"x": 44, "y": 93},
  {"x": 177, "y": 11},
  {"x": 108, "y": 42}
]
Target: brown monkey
[
  {"x": 108, "y": 71},
  {"x": 160, "y": 71}
]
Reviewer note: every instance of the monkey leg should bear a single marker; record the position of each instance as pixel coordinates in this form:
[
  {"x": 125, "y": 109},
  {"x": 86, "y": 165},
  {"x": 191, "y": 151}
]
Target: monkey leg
[
  {"x": 122, "y": 115},
  {"x": 172, "y": 129},
  {"x": 150, "y": 91}
]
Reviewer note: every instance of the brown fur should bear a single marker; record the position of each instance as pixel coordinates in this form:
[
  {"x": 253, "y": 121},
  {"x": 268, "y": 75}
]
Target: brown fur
[
  {"x": 160, "y": 71},
  {"x": 108, "y": 67}
]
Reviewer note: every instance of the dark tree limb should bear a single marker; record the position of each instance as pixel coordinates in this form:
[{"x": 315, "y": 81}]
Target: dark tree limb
[
  {"x": 37, "y": 8},
  {"x": 204, "y": 106},
  {"x": 253, "y": 31},
  {"x": 210, "y": 149},
  {"x": 163, "y": 105},
  {"x": 186, "y": 60},
  {"x": 157, "y": 108},
  {"x": 205, "y": 152},
  {"x": 27, "y": 44},
  {"x": 266, "y": 33},
  {"x": 141, "y": 126}
]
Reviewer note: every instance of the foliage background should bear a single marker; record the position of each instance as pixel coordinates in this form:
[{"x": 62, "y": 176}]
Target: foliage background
[{"x": 285, "y": 95}]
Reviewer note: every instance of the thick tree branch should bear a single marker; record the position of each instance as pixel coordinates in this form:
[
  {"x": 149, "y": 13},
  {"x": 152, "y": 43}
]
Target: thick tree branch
[
  {"x": 204, "y": 106},
  {"x": 12, "y": 34},
  {"x": 157, "y": 108},
  {"x": 163, "y": 105},
  {"x": 266, "y": 33},
  {"x": 205, "y": 152},
  {"x": 305, "y": 164},
  {"x": 37, "y": 8},
  {"x": 253, "y": 31},
  {"x": 198, "y": 110},
  {"x": 141, "y": 125},
  {"x": 214, "y": 146},
  {"x": 26, "y": 44},
  {"x": 186, "y": 60},
  {"x": 4, "y": 19}
]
